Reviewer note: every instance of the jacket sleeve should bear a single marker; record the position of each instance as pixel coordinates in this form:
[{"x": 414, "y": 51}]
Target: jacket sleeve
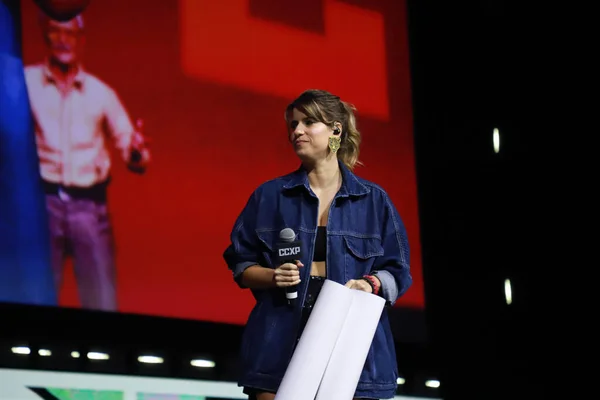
[
  {"x": 243, "y": 250},
  {"x": 393, "y": 267}
]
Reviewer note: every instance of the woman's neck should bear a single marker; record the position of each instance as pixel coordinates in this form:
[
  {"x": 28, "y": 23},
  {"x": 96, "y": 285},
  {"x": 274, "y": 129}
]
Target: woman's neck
[{"x": 324, "y": 175}]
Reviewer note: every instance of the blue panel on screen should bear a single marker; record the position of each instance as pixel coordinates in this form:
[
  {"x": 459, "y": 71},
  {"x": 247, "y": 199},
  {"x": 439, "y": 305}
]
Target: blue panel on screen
[{"x": 25, "y": 272}]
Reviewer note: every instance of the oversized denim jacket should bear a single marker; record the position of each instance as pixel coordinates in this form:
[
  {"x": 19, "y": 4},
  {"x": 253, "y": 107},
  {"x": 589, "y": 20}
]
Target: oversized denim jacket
[{"x": 365, "y": 235}]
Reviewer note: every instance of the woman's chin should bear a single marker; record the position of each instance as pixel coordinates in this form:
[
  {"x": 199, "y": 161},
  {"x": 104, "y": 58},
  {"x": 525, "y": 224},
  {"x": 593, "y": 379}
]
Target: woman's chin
[{"x": 302, "y": 153}]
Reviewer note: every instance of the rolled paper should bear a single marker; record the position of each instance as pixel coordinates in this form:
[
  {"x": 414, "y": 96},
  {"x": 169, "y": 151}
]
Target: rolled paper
[
  {"x": 352, "y": 347},
  {"x": 332, "y": 350},
  {"x": 307, "y": 366}
]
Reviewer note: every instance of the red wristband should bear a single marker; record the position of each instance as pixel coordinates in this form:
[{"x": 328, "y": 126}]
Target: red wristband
[{"x": 374, "y": 283}]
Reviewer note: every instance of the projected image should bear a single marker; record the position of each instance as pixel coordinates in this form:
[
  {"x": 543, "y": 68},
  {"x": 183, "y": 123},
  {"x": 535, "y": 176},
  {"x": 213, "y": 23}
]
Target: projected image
[
  {"x": 52, "y": 385},
  {"x": 74, "y": 113},
  {"x": 154, "y": 396},
  {"x": 79, "y": 394},
  {"x": 151, "y": 132},
  {"x": 76, "y": 394}
]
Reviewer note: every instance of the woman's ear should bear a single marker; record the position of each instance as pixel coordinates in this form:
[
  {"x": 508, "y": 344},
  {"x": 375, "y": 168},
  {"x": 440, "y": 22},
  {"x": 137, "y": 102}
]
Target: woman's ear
[{"x": 337, "y": 128}]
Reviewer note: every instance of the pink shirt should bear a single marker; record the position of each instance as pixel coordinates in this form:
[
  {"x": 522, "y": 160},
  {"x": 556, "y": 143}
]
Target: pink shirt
[{"x": 71, "y": 128}]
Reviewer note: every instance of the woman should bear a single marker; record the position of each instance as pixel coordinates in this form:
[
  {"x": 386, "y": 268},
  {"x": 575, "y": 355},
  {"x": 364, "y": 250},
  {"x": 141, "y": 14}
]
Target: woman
[{"x": 352, "y": 234}]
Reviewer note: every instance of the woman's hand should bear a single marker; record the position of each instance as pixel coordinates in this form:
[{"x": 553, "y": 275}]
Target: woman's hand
[
  {"x": 362, "y": 284},
  {"x": 359, "y": 284},
  {"x": 287, "y": 274}
]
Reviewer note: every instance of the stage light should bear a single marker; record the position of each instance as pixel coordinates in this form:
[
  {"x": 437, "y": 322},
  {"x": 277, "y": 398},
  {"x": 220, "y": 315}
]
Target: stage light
[
  {"x": 151, "y": 359},
  {"x": 44, "y": 352},
  {"x": 508, "y": 291},
  {"x": 496, "y": 140},
  {"x": 21, "y": 350},
  {"x": 432, "y": 383},
  {"x": 202, "y": 363},
  {"x": 75, "y": 354},
  {"x": 93, "y": 355},
  {"x": 400, "y": 381}
]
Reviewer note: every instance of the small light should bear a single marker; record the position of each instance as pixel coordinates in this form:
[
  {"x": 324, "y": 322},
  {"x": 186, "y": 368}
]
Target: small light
[
  {"x": 496, "y": 140},
  {"x": 93, "y": 355},
  {"x": 432, "y": 383},
  {"x": 400, "y": 381},
  {"x": 203, "y": 363},
  {"x": 508, "y": 291},
  {"x": 75, "y": 354},
  {"x": 150, "y": 359},
  {"x": 44, "y": 352},
  {"x": 21, "y": 350}
]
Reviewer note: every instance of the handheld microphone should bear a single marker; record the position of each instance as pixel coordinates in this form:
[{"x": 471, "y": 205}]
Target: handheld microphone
[{"x": 288, "y": 251}]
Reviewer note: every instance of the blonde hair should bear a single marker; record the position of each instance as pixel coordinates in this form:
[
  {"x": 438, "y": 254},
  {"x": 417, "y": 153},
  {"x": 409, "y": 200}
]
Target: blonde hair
[{"x": 329, "y": 109}]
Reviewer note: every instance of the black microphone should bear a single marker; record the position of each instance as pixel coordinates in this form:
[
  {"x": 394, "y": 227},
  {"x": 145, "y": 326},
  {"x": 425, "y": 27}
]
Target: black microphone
[{"x": 288, "y": 251}]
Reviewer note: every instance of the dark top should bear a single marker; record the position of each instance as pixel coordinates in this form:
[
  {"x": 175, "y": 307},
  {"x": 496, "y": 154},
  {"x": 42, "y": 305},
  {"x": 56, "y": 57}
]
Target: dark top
[{"x": 320, "y": 253}]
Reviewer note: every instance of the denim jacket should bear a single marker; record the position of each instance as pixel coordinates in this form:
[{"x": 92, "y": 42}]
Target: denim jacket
[{"x": 365, "y": 235}]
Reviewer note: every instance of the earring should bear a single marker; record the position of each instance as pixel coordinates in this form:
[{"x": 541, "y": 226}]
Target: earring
[{"x": 334, "y": 143}]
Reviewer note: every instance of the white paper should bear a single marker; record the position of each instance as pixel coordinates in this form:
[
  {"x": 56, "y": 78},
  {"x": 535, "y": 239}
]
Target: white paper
[
  {"x": 305, "y": 370},
  {"x": 332, "y": 350},
  {"x": 352, "y": 347}
]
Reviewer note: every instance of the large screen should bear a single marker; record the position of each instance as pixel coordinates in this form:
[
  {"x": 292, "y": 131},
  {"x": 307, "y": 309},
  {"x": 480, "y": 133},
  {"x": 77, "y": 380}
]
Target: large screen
[
  {"x": 45, "y": 385},
  {"x": 203, "y": 86}
]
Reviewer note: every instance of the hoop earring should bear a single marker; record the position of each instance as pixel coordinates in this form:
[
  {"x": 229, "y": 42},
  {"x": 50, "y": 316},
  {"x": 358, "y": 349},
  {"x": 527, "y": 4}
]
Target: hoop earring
[{"x": 334, "y": 143}]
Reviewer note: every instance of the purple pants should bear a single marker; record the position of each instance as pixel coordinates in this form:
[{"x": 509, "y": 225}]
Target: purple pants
[{"x": 81, "y": 228}]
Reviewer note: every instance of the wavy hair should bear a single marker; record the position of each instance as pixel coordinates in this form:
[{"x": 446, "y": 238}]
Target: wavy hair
[{"x": 328, "y": 108}]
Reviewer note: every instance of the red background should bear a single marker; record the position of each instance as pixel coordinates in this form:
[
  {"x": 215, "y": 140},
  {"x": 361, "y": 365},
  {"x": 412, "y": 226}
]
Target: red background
[{"x": 211, "y": 85}]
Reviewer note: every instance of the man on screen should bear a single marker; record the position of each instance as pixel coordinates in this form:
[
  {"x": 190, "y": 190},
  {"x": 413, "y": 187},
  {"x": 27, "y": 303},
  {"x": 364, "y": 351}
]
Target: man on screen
[{"x": 74, "y": 114}]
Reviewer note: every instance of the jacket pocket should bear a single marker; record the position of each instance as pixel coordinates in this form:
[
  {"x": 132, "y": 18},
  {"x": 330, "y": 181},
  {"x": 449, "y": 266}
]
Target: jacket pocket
[
  {"x": 268, "y": 240},
  {"x": 360, "y": 255},
  {"x": 381, "y": 365},
  {"x": 268, "y": 339}
]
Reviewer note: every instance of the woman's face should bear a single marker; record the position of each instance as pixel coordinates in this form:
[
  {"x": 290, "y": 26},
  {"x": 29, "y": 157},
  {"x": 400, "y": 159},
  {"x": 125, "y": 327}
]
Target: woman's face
[{"x": 309, "y": 137}]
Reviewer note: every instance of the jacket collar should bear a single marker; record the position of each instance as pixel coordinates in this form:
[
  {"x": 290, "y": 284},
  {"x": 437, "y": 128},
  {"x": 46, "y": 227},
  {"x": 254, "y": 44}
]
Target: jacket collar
[{"x": 351, "y": 185}]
